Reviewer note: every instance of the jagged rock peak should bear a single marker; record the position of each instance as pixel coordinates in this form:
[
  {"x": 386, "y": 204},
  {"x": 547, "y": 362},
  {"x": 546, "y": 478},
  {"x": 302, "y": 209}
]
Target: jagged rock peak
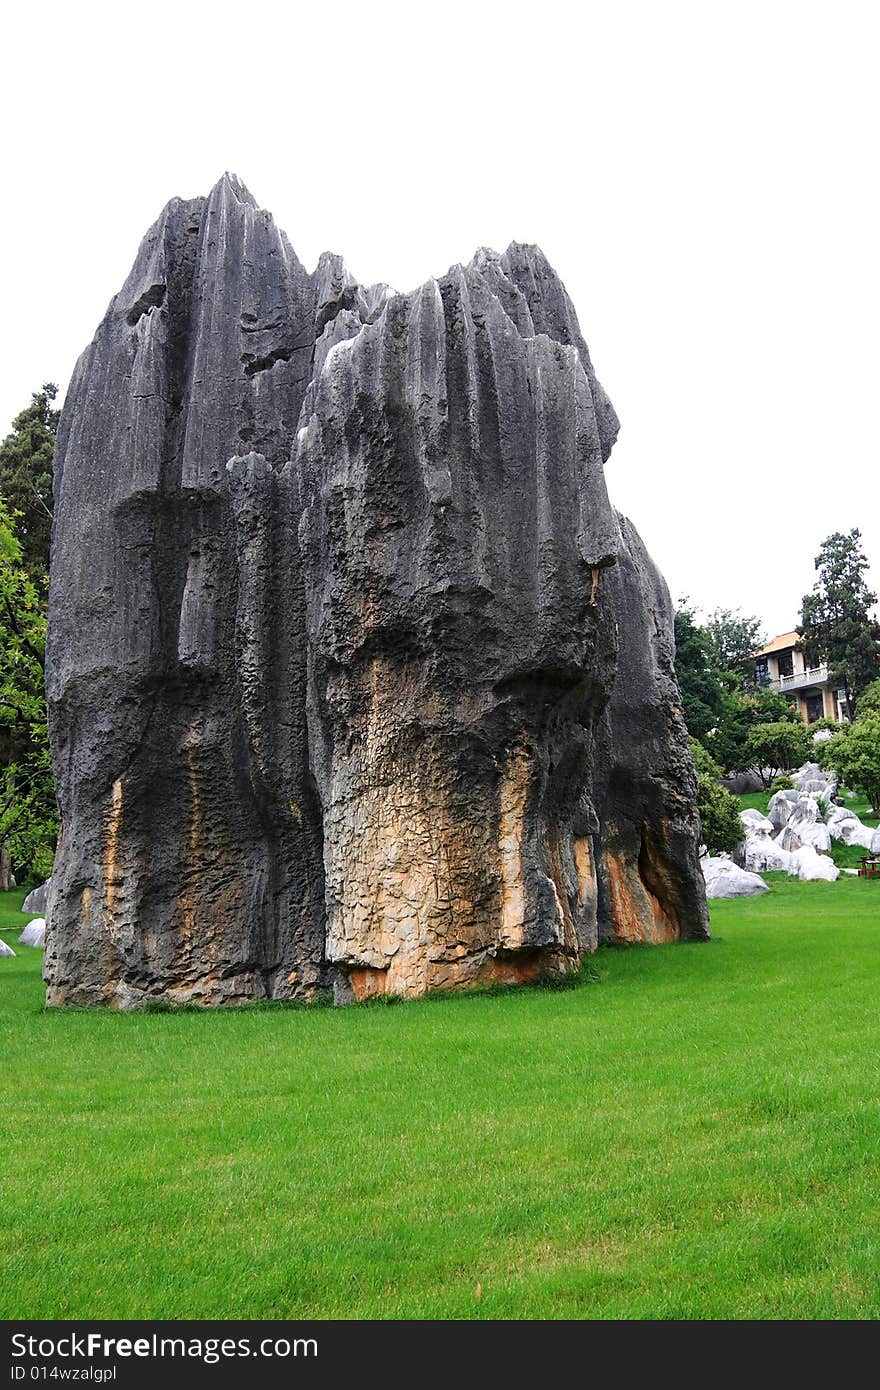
[{"x": 355, "y": 678}]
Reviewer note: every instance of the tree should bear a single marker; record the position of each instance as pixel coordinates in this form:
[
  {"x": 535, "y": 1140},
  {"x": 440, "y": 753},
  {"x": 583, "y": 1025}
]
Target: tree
[
  {"x": 28, "y": 821},
  {"x": 869, "y": 701},
  {"x": 699, "y": 679},
  {"x": 774, "y": 748},
  {"x": 26, "y": 478},
  {"x": 836, "y": 622},
  {"x": 731, "y": 639},
  {"x": 742, "y": 711},
  {"x": 854, "y": 754},
  {"x": 720, "y": 704}
]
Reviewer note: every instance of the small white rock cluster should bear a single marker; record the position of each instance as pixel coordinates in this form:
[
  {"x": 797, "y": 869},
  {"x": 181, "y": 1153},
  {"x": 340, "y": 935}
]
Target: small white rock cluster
[{"x": 794, "y": 838}]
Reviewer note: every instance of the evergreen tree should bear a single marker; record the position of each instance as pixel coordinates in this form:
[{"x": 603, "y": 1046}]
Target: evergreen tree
[
  {"x": 732, "y": 638},
  {"x": 26, "y": 478},
  {"x": 28, "y": 821},
  {"x": 699, "y": 679},
  {"x": 836, "y": 622}
]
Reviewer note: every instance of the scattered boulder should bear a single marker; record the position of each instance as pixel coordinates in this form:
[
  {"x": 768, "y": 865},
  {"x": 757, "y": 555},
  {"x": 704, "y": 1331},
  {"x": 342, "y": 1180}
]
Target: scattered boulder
[
  {"x": 805, "y": 827},
  {"x": 742, "y": 782},
  {"x": 762, "y": 854},
  {"x": 37, "y": 899},
  {"x": 807, "y": 773},
  {"x": 813, "y": 781},
  {"x": 4, "y": 949},
  {"x": 801, "y": 822},
  {"x": 781, "y": 808},
  {"x": 851, "y": 831},
  {"x": 724, "y": 879},
  {"x": 34, "y": 933},
  {"x": 809, "y": 866}
]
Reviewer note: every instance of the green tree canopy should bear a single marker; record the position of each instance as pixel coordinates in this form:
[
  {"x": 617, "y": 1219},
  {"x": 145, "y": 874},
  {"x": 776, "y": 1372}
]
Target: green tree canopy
[
  {"x": 26, "y": 478},
  {"x": 854, "y": 754},
  {"x": 731, "y": 638},
  {"x": 721, "y": 703},
  {"x": 836, "y": 622},
  {"x": 742, "y": 711},
  {"x": 869, "y": 700},
  {"x": 699, "y": 679},
  {"x": 27, "y": 800},
  {"x": 774, "y": 748}
]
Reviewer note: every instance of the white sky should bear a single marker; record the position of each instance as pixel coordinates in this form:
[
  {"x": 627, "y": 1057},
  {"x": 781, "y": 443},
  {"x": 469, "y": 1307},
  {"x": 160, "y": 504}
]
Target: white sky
[{"x": 704, "y": 177}]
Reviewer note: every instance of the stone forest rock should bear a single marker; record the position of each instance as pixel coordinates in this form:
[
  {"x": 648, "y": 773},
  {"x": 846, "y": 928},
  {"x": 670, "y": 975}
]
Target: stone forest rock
[
  {"x": 647, "y": 838},
  {"x": 37, "y": 899},
  {"x": 724, "y": 879},
  {"x": 808, "y": 865},
  {"x": 5, "y": 950},
  {"x": 34, "y": 933},
  {"x": 356, "y": 679},
  {"x": 761, "y": 854}
]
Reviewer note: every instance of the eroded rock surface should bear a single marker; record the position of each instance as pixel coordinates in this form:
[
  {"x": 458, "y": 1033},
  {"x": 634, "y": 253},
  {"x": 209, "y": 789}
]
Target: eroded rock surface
[
  {"x": 37, "y": 899},
  {"x": 355, "y": 677},
  {"x": 650, "y": 885}
]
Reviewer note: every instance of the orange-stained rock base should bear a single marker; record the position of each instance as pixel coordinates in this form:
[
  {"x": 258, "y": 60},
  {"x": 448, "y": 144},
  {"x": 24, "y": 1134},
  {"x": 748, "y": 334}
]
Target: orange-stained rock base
[
  {"x": 367, "y": 983},
  {"x": 638, "y": 915},
  {"x": 516, "y": 968}
]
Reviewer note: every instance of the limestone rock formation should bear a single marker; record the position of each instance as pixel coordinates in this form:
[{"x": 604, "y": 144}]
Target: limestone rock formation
[
  {"x": 355, "y": 677},
  {"x": 724, "y": 879},
  {"x": 34, "y": 933},
  {"x": 37, "y": 899},
  {"x": 5, "y": 950},
  {"x": 650, "y": 886}
]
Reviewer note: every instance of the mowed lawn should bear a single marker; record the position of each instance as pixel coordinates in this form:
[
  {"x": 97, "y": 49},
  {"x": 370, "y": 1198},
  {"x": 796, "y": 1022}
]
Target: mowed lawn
[{"x": 696, "y": 1135}]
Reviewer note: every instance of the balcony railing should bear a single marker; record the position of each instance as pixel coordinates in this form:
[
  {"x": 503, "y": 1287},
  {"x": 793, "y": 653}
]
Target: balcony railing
[{"x": 814, "y": 676}]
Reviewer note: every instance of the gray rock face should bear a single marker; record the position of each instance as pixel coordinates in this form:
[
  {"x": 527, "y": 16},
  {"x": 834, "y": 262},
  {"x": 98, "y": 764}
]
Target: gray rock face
[
  {"x": 37, "y": 899},
  {"x": 782, "y": 808},
  {"x": 648, "y": 869},
  {"x": 333, "y": 628},
  {"x": 34, "y": 933},
  {"x": 5, "y": 950}
]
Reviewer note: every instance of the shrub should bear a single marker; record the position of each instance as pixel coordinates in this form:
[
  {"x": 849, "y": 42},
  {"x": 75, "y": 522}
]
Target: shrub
[
  {"x": 869, "y": 700},
  {"x": 703, "y": 760},
  {"x": 782, "y": 784},
  {"x": 719, "y": 815}
]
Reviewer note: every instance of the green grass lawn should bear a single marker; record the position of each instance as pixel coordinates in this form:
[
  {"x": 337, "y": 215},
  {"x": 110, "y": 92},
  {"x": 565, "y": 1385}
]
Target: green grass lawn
[
  {"x": 694, "y": 1136},
  {"x": 11, "y": 919}
]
